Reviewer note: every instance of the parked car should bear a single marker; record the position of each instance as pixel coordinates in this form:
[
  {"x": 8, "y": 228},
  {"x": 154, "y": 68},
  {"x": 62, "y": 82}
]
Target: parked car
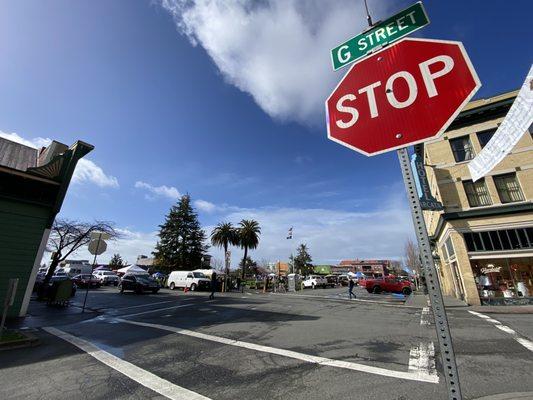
[
  {"x": 188, "y": 279},
  {"x": 107, "y": 277},
  {"x": 84, "y": 280},
  {"x": 344, "y": 280},
  {"x": 333, "y": 280},
  {"x": 362, "y": 281},
  {"x": 386, "y": 284},
  {"x": 313, "y": 281},
  {"x": 138, "y": 284}
]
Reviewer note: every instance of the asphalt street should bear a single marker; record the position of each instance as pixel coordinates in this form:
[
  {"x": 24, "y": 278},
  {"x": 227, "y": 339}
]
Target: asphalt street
[{"x": 311, "y": 345}]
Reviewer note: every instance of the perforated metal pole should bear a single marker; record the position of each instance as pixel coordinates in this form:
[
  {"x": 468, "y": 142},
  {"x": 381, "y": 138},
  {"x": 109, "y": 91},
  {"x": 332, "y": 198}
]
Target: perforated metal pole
[{"x": 435, "y": 295}]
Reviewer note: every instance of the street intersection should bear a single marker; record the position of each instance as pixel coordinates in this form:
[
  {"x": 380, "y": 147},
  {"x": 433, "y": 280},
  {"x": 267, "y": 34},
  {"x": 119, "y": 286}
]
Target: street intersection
[{"x": 312, "y": 345}]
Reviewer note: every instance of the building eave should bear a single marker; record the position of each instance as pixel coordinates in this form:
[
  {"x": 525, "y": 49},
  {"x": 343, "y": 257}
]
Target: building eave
[{"x": 479, "y": 213}]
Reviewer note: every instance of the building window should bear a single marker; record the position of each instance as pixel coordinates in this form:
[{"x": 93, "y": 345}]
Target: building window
[
  {"x": 449, "y": 247},
  {"x": 508, "y": 188},
  {"x": 504, "y": 239},
  {"x": 462, "y": 148},
  {"x": 485, "y": 136},
  {"x": 477, "y": 193}
]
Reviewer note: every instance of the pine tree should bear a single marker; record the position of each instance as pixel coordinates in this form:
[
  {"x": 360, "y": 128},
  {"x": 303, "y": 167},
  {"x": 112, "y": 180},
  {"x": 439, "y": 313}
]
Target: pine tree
[
  {"x": 181, "y": 242},
  {"x": 116, "y": 262},
  {"x": 302, "y": 261}
]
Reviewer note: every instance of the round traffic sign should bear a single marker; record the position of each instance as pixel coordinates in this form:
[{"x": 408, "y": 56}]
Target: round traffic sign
[{"x": 97, "y": 247}]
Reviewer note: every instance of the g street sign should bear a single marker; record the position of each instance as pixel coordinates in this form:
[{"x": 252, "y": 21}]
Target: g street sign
[{"x": 385, "y": 32}]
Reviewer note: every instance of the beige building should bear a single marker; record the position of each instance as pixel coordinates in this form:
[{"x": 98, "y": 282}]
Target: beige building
[{"x": 484, "y": 236}]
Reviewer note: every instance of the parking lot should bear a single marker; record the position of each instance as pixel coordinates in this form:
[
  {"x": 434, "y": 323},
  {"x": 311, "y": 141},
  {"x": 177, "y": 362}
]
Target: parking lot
[{"x": 310, "y": 345}]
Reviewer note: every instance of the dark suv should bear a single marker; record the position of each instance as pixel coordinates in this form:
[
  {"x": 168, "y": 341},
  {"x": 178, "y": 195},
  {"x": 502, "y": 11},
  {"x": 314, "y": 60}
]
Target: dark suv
[{"x": 138, "y": 284}]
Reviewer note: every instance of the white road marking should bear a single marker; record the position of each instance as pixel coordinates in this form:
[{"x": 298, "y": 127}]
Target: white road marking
[
  {"x": 506, "y": 329},
  {"x": 422, "y": 360},
  {"x": 414, "y": 376},
  {"x": 141, "y": 376},
  {"x": 528, "y": 344},
  {"x": 424, "y": 317},
  {"x": 145, "y": 305},
  {"x": 153, "y": 311}
]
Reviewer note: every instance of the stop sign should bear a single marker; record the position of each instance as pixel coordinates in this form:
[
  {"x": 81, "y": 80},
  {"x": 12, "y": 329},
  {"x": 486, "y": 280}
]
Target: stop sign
[{"x": 401, "y": 95}]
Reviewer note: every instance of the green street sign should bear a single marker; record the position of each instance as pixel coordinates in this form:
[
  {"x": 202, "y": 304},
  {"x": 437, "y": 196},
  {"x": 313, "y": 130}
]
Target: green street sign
[{"x": 388, "y": 31}]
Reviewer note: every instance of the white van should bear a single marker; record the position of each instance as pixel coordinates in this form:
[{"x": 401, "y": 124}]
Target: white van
[
  {"x": 77, "y": 269},
  {"x": 188, "y": 279}
]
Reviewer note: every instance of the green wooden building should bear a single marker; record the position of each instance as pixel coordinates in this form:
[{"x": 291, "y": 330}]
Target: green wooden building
[{"x": 33, "y": 184}]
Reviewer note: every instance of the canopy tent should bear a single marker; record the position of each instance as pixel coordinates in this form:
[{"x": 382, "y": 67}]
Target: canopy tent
[{"x": 132, "y": 269}]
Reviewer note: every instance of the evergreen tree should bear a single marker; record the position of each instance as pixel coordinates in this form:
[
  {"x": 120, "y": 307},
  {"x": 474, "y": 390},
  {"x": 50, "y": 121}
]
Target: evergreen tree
[
  {"x": 116, "y": 262},
  {"x": 181, "y": 242},
  {"x": 302, "y": 261}
]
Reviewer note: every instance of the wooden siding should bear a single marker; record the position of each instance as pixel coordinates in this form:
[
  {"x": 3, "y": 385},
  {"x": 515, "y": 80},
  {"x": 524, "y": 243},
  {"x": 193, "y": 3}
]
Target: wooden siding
[{"x": 21, "y": 229}]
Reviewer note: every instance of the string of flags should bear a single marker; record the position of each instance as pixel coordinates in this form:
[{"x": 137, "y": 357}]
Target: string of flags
[{"x": 289, "y": 235}]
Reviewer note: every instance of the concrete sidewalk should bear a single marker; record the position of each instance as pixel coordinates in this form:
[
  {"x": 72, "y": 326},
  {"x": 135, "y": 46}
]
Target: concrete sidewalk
[
  {"x": 40, "y": 314},
  {"x": 420, "y": 300}
]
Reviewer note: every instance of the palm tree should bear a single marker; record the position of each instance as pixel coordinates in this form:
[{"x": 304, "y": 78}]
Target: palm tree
[
  {"x": 249, "y": 232},
  {"x": 224, "y": 235}
]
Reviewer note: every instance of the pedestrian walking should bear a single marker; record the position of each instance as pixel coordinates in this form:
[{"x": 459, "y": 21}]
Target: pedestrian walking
[
  {"x": 213, "y": 285},
  {"x": 350, "y": 290}
]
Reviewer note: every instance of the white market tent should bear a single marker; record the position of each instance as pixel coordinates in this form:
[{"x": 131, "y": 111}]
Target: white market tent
[{"x": 132, "y": 269}]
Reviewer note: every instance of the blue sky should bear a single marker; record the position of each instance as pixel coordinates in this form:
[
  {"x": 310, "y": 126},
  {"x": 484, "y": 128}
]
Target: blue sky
[{"x": 224, "y": 100}]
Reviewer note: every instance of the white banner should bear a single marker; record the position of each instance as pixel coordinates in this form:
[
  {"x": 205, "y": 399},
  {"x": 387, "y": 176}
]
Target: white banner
[{"x": 517, "y": 121}]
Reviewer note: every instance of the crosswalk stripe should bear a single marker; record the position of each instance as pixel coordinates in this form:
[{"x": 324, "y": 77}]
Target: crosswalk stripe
[
  {"x": 141, "y": 376},
  {"x": 416, "y": 376}
]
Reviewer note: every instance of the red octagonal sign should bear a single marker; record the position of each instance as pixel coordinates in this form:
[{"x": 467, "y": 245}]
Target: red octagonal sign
[{"x": 402, "y": 95}]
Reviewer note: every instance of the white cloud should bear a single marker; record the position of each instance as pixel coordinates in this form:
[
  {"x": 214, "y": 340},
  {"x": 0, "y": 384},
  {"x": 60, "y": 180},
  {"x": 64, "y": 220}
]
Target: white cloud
[
  {"x": 170, "y": 192},
  {"x": 205, "y": 206},
  {"x": 278, "y": 51},
  {"x": 36, "y": 143},
  {"x": 86, "y": 170}
]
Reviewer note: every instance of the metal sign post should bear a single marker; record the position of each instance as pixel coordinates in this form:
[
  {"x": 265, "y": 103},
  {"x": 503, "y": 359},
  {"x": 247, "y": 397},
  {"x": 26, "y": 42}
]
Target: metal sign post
[
  {"x": 435, "y": 295},
  {"x": 97, "y": 246}
]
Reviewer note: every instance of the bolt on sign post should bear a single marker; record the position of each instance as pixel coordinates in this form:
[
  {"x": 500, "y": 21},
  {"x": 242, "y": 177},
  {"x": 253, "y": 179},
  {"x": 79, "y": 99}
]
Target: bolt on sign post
[
  {"x": 398, "y": 96},
  {"x": 379, "y": 35}
]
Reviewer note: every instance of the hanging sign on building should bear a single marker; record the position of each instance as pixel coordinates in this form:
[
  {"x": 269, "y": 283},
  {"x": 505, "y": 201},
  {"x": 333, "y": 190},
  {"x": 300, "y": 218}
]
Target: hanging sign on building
[
  {"x": 427, "y": 201},
  {"x": 517, "y": 121}
]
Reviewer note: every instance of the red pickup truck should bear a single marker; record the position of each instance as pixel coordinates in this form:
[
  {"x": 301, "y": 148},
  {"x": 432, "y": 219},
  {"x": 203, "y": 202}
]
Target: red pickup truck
[{"x": 386, "y": 284}]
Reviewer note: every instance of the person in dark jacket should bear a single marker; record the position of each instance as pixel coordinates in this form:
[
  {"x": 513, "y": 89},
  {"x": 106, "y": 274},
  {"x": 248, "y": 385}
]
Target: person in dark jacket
[
  {"x": 213, "y": 285},
  {"x": 350, "y": 290}
]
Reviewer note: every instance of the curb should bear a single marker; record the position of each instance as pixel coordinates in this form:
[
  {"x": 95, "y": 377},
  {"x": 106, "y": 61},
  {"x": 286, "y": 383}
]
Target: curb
[
  {"x": 502, "y": 310},
  {"x": 29, "y": 341},
  {"x": 508, "y": 396}
]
